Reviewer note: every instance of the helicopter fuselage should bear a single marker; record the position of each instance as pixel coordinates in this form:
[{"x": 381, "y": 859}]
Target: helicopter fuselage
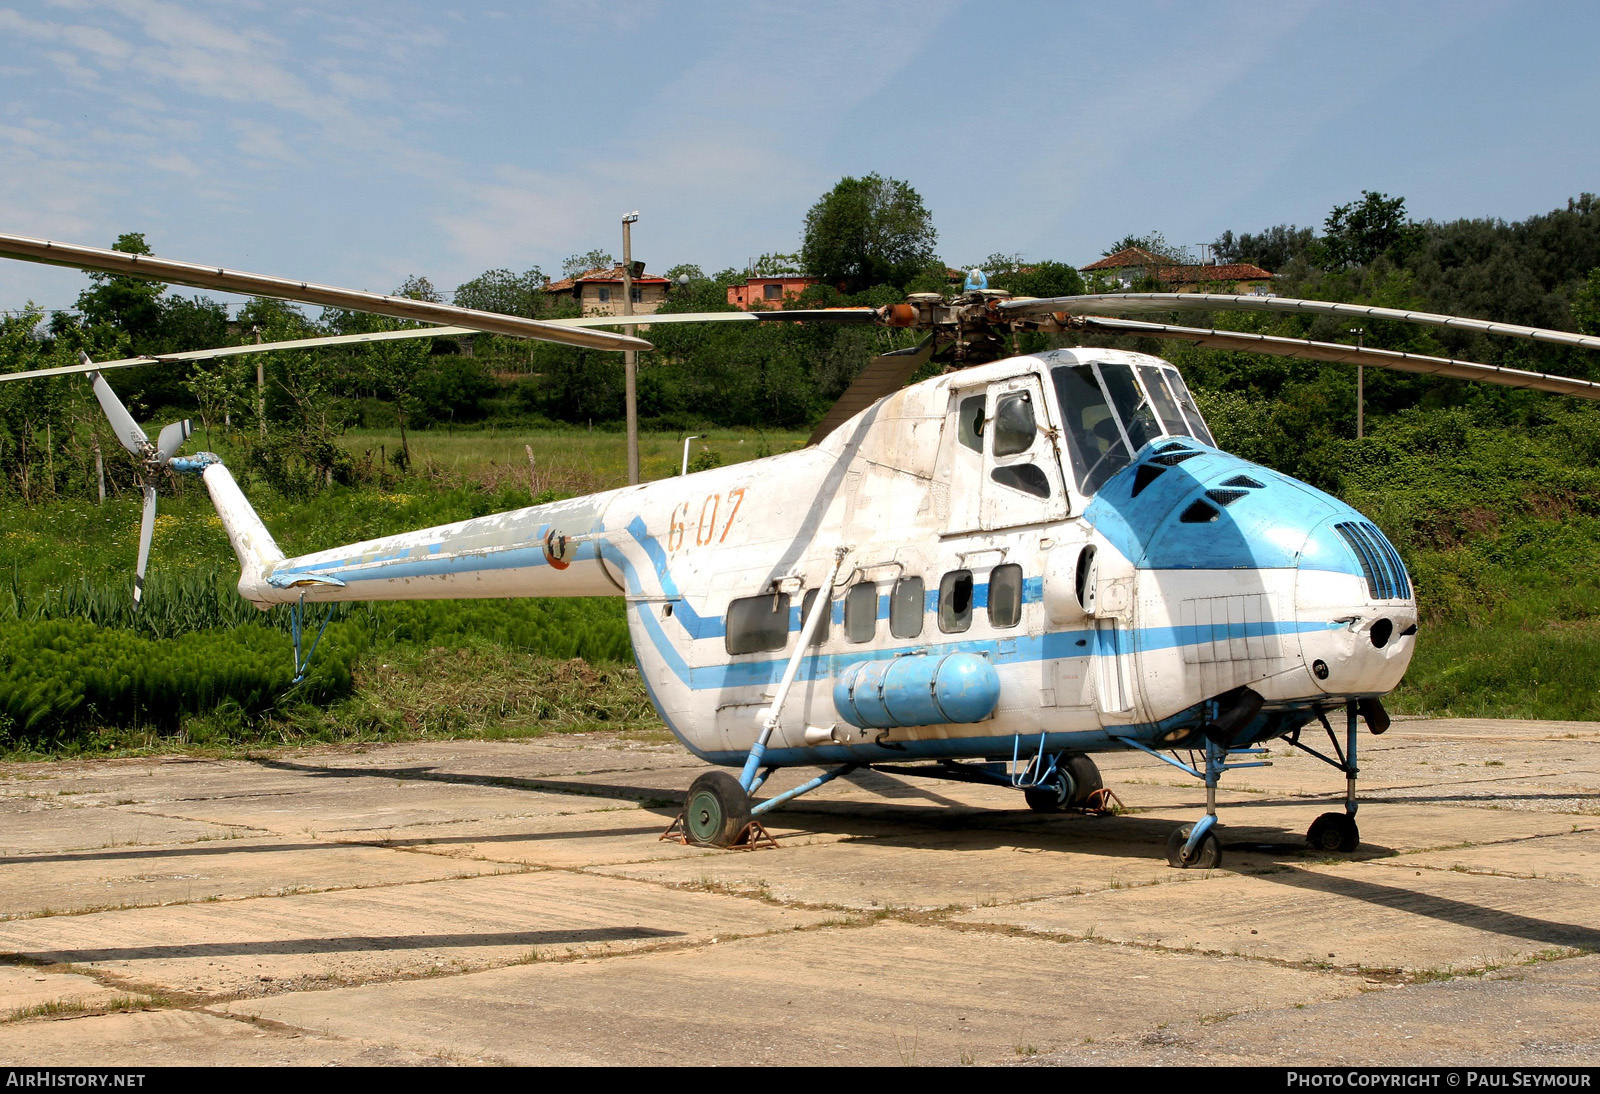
[{"x": 1045, "y": 553}]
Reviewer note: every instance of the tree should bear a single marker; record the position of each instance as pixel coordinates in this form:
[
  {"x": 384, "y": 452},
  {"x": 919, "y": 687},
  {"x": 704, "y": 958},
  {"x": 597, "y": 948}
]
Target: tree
[
  {"x": 503, "y": 292},
  {"x": 131, "y": 305},
  {"x": 1272, "y": 249},
  {"x": 686, "y": 269},
  {"x": 1586, "y": 304},
  {"x": 777, "y": 265},
  {"x": 582, "y": 264},
  {"x": 1357, "y": 233},
  {"x": 868, "y": 231}
]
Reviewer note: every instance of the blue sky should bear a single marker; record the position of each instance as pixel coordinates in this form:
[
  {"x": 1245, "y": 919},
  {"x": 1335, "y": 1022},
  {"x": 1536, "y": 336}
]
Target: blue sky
[{"x": 358, "y": 143}]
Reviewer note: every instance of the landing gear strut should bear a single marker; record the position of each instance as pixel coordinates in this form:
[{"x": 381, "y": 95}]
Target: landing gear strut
[{"x": 1338, "y": 831}]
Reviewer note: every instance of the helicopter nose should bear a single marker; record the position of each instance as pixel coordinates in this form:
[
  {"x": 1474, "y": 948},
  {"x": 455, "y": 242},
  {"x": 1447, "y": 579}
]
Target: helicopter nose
[{"x": 1355, "y": 608}]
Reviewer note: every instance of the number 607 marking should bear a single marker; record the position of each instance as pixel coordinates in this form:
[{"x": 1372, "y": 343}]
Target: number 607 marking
[{"x": 705, "y": 529}]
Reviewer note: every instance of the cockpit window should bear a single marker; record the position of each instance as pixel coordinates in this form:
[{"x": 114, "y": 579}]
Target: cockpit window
[
  {"x": 1132, "y": 406},
  {"x": 1014, "y": 426},
  {"x": 1107, "y": 409},
  {"x": 970, "y": 417},
  {"x": 1166, "y": 406}
]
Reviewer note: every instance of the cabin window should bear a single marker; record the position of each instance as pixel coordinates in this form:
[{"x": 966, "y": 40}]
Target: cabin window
[
  {"x": 905, "y": 608},
  {"x": 970, "y": 417},
  {"x": 1005, "y": 596},
  {"x": 861, "y": 612},
  {"x": 1094, "y": 441},
  {"x": 955, "y": 601},
  {"x": 1014, "y": 426},
  {"x": 823, "y": 624},
  {"x": 758, "y": 623}
]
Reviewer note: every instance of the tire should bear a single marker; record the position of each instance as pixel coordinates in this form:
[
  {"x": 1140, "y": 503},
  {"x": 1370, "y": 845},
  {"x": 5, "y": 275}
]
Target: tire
[
  {"x": 1052, "y": 797},
  {"x": 1334, "y": 832},
  {"x": 1208, "y": 856},
  {"x": 1085, "y": 778},
  {"x": 715, "y": 810}
]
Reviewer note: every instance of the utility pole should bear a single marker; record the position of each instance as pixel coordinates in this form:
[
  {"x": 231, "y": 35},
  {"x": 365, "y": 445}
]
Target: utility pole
[
  {"x": 1361, "y": 386},
  {"x": 261, "y": 388},
  {"x": 630, "y": 360}
]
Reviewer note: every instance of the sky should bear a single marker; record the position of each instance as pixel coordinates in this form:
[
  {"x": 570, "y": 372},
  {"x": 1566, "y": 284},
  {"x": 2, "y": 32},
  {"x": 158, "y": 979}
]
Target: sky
[{"x": 358, "y": 143}]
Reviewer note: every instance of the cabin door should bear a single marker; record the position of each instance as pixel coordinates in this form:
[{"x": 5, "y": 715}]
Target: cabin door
[{"x": 999, "y": 462}]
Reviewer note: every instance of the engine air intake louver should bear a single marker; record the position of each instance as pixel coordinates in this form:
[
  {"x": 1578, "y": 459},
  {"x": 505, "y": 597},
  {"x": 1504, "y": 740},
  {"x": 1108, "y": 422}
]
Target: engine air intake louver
[{"x": 1380, "y": 562}]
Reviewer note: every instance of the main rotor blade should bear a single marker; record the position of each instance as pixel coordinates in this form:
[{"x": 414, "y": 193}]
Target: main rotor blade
[
  {"x": 1133, "y": 303},
  {"x": 147, "y": 527},
  {"x": 1350, "y": 355},
  {"x": 171, "y": 439},
  {"x": 234, "y": 351},
  {"x": 794, "y": 315},
  {"x": 280, "y": 288},
  {"x": 128, "y": 431},
  {"x": 884, "y": 375}
]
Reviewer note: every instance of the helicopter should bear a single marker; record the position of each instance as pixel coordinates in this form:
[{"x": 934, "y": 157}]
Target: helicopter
[{"x": 987, "y": 576}]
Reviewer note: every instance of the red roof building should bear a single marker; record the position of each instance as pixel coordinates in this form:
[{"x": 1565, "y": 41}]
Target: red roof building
[
  {"x": 599, "y": 292},
  {"x": 1134, "y": 264},
  {"x": 768, "y": 291}
]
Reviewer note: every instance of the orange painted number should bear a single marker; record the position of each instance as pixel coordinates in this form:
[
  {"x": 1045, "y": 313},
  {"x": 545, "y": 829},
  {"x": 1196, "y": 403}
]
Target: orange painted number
[
  {"x": 707, "y": 528},
  {"x": 675, "y": 530},
  {"x": 737, "y": 497}
]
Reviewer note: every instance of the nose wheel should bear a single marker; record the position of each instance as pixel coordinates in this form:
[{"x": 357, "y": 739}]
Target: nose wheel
[
  {"x": 716, "y": 810},
  {"x": 1334, "y": 832},
  {"x": 1206, "y": 855}
]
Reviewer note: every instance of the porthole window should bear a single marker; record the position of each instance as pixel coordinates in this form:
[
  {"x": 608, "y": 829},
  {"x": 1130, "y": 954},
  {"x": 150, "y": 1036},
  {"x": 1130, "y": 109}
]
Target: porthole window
[
  {"x": 1005, "y": 596},
  {"x": 758, "y": 623},
  {"x": 905, "y": 608},
  {"x": 955, "y": 601},
  {"x": 861, "y": 612},
  {"x": 823, "y": 624}
]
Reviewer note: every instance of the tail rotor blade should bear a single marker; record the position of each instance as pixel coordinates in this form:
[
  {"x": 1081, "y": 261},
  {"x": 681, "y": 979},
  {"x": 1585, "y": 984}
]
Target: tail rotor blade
[
  {"x": 127, "y": 430},
  {"x": 147, "y": 527},
  {"x": 171, "y": 439}
]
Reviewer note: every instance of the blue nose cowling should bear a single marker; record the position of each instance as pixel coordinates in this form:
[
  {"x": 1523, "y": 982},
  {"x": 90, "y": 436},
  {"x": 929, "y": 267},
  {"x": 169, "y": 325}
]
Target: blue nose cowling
[{"x": 1182, "y": 505}]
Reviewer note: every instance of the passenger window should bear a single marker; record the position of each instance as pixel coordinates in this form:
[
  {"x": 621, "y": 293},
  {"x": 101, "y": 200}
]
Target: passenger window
[
  {"x": 758, "y": 623},
  {"x": 905, "y": 608},
  {"x": 970, "y": 422},
  {"x": 823, "y": 624},
  {"x": 955, "y": 601},
  {"x": 1014, "y": 426},
  {"x": 1022, "y": 476},
  {"x": 1005, "y": 596},
  {"x": 861, "y": 612}
]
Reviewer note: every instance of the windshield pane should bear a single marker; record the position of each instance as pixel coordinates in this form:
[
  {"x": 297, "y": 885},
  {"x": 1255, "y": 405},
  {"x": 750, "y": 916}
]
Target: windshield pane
[
  {"x": 1093, "y": 440},
  {"x": 1165, "y": 405},
  {"x": 1199, "y": 431},
  {"x": 1134, "y": 409}
]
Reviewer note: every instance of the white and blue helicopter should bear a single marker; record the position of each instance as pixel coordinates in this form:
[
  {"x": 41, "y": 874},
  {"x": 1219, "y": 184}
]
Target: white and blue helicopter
[{"x": 986, "y": 576}]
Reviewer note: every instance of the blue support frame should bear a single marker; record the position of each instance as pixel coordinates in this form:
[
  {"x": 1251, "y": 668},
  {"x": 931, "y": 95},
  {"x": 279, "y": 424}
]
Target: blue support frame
[
  {"x": 296, "y": 630},
  {"x": 1216, "y": 762},
  {"x": 804, "y": 788}
]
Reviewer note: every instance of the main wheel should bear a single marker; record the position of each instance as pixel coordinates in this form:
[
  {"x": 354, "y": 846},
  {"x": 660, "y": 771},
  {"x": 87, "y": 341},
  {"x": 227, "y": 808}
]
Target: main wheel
[
  {"x": 1334, "y": 832},
  {"x": 1085, "y": 778},
  {"x": 1207, "y": 856},
  {"x": 1050, "y": 797},
  {"x": 715, "y": 810}
]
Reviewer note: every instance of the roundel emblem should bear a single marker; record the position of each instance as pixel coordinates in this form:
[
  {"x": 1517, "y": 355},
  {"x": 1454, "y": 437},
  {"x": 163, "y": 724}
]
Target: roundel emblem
[{"x": 557, "y": 550}]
